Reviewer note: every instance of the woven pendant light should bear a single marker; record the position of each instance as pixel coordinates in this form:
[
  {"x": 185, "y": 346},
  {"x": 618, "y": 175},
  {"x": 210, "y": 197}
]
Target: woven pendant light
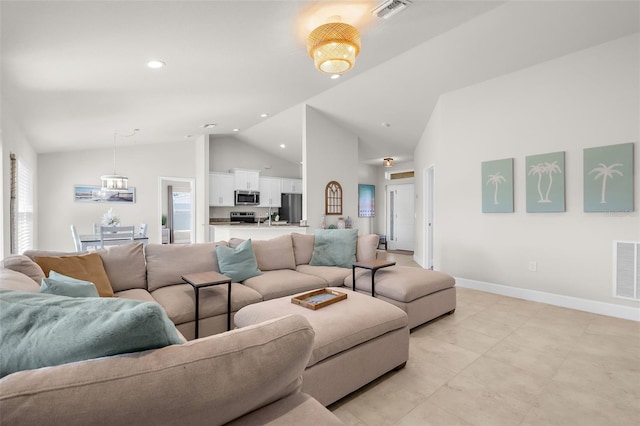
[{"x": 334, "y": 47}]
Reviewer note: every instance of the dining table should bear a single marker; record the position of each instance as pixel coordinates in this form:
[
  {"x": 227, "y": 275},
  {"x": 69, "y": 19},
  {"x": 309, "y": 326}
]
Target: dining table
[{"x": 93, "y": 240}]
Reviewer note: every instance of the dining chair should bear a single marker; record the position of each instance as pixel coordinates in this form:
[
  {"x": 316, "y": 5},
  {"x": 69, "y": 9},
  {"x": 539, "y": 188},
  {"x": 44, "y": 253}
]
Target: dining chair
[
  {"x": 116, "y": 235},
  {"x": 76, "y": 238}
]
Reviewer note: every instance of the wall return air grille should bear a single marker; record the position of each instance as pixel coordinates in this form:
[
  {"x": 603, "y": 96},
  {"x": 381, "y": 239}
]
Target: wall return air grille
[{"x": 626, "y": 269}]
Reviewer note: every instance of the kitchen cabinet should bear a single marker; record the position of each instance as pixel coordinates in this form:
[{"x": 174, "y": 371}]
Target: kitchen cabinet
[
  {"x": 270, "y": 192},
  {"x": 221, "y": 186},
  {"x": 247, "y": 180},
  {"x": 291, "y": 186}
]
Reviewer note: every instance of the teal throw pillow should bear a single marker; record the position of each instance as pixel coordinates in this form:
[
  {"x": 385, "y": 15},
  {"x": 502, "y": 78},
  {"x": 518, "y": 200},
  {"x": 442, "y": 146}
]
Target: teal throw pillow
[
  {"x": 63, "y": 285},
  {"x": 238, "y": 263},
  {"x": 334, "y": 247},
  {"x": 41, "y": 330}
]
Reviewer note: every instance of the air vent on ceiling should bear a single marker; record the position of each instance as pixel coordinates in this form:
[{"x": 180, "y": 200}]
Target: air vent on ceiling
[{"x": 389, "y": 8}]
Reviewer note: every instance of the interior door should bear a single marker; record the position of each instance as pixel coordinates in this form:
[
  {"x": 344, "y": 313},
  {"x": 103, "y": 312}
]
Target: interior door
[{"x": 400, "y": 217}]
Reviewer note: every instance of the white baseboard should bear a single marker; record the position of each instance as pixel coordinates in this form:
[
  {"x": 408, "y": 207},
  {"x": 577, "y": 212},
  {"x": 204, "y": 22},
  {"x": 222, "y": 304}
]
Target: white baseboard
[{"x": 602, "y": 308}]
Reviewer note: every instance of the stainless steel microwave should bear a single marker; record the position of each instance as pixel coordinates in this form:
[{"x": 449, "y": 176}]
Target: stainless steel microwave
[{"x": 247, "y": 198}]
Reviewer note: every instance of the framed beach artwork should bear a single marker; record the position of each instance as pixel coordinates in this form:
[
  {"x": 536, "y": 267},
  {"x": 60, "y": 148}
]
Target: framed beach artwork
[
  {"x": 545, "y": 183},
  {"x": 608, "y": 178},
  {"x": 95, "y": 194},
  {"x": 497, "y": 186},
  {"x": 366, "y": 200}
]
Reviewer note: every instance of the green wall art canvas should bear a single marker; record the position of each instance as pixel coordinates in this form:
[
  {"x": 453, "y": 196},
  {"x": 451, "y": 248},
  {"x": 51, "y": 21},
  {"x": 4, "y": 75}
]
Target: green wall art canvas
[
  {"x": 608, "y": 178},
  {"x": 545, "y": 183},
  {"x": 497, "y": 186}
]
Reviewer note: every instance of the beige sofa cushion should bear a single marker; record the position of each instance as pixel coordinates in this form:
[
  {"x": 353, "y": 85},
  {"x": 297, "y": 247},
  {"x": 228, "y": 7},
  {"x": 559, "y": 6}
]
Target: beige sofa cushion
[
  {"x": 206, "y": 381},
  {"x": 283, "y": 282},
  {"x": 402, "y": 283},
  {"x": 166, "y": 263},
  {"x": 366, "y": 247},
  {"x": 14, "y": 280},
  {"x": 271, "y": 254},
  {"x": 274, "y": 253},
  {"x": 179, "y": 300},
  {"x": 333, "y": 275},
  {"x": 302, "y": 247},
  {"x": 125, "y": 266},
  {"x": 24, "y": 265}
]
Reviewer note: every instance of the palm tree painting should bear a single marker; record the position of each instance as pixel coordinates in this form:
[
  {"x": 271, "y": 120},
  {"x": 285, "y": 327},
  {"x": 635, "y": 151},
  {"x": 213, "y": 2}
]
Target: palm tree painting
[
  {"x": 606, "y": 172},
  {"x": 497, "y": 186},
  {"x": 608, "y": 178},
  {"x": 496, "y": 179},
  {"x": 544, "y": 193}
]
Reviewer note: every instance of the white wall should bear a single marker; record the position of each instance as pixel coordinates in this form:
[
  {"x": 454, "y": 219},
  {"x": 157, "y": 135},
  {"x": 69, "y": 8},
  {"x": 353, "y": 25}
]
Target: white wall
[
  {"x": 586, "y": 99},
  {"x": 59, "y": 172},
  {"x": 228, "y": 152},
  {"x": 330, "y": 153}
]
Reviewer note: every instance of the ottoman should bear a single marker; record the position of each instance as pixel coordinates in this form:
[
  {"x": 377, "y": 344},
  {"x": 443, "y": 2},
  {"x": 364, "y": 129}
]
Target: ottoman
[
  {"x": 357, "y": 340},
  {"x": 423, "y": 294}
]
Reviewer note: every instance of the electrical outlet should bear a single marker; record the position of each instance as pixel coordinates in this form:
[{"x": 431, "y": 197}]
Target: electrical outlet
[{"x": 533, "y": 266}]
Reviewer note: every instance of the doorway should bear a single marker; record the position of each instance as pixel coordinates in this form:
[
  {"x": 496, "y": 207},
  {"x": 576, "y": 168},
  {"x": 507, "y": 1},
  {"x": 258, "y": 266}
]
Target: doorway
[
  {"x": 427, "y": 261},
  {"x": 177, "y": 212},
  {"x": 400, "y": 217}
]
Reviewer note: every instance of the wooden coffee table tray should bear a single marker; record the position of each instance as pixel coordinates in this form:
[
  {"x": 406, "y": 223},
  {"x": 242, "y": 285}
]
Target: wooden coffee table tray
[{"x": 318, "y": 298}]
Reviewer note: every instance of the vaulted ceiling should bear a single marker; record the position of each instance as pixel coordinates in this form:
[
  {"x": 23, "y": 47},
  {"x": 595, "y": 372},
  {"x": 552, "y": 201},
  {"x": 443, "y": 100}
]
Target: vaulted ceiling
[{"x": 74, "y": 72}]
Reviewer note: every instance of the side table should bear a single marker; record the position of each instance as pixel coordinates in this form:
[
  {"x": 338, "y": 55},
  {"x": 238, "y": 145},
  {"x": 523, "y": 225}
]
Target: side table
[
  {"x": 208, "y": 279},
  {"x": 373, "y": 266}
]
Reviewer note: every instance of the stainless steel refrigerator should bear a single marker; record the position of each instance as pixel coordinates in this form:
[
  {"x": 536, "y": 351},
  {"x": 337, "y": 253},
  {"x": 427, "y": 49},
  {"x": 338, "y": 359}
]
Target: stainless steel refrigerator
[{"x": 291, "y": 209}]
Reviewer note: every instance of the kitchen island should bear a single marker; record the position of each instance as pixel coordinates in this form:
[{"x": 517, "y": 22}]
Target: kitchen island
[{"x": 224, "y": 232}]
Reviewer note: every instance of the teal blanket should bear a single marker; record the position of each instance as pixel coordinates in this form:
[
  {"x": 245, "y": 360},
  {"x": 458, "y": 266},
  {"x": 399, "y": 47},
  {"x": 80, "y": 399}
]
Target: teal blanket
[{"x": 39, "y": 330}]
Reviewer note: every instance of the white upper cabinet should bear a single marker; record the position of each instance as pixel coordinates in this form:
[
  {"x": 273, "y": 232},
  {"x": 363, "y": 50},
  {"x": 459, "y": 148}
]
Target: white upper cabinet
[
  {"x": 248, "y": 180},
  {"x": 270, "y": 192},
  {"x": 291, "y": 186},
  {"x": 221, "y": 186}
]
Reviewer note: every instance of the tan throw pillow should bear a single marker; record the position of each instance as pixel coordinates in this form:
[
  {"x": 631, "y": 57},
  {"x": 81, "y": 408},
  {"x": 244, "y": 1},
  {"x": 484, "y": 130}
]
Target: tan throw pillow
[
  {"x": 87, "y": 267},
  {"x": 302, "y": 247}
]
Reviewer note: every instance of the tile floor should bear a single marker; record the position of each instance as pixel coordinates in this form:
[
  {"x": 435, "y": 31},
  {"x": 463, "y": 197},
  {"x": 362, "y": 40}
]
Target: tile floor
[{"x": 504, "y": 361}]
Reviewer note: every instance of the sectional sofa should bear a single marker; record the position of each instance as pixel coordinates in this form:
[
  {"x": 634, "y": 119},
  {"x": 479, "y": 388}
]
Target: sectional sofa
[{"x": 153, "y": 274}]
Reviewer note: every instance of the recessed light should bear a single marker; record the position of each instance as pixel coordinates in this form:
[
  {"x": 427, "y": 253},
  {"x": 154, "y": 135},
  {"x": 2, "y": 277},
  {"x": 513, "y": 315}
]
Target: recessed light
[
  {"x": 264, "y": 114},
  {"x": 236, "y": 130},
  {"x": 155, "y": 64},
  {"x": 335, "y": 76},
  {"x": 209, "y": 126},
  {"x": 282, "y": 145},
  {"x": 386, "y": 125}
]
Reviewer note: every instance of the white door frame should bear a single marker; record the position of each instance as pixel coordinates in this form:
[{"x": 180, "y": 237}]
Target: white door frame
[
  {"x": 192, "y": 184},
  {"x": 428, "y": 211}
]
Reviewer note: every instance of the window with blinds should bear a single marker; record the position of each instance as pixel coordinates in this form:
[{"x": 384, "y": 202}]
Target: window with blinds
[{"x": 22, "y": 206}]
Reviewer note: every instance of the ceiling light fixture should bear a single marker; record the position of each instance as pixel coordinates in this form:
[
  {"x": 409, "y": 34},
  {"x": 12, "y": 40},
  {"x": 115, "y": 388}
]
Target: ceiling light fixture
[
  {"x": 388, "y": 162},
  {"x": 115, "y": 181},
  {"x": 264, "y": 114},
  {"x": 334, "y": 46},
  {"x": 236, "y": 130},
  {"x": 155, "y": 64},
  {"x": 209, "y": 126},
  {"x": 335, "y": 76},
  {"x": 282, "y": 145}
]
